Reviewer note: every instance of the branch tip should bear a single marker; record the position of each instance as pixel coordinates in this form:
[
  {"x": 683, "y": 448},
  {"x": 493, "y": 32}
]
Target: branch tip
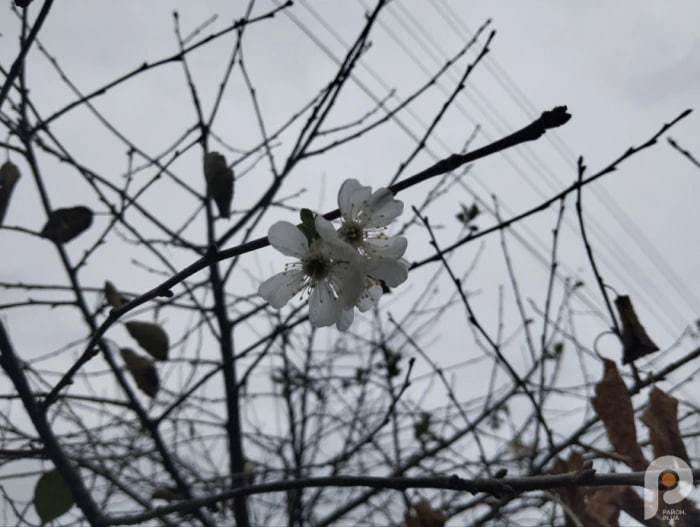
[{"x": 555, "y": 117}]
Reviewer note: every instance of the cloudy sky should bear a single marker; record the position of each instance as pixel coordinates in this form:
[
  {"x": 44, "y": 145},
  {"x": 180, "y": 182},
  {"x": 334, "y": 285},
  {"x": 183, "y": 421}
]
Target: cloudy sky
[
  {"x": 622, "y": 69},
  {"x": 621, "y": 72}
]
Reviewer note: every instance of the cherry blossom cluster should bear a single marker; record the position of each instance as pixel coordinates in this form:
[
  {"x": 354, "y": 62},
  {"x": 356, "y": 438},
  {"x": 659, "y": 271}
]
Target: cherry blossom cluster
[{"x": 339, "y": 269}]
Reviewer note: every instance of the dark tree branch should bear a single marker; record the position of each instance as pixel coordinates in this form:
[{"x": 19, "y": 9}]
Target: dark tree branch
[{"x": 492, "y": 486}]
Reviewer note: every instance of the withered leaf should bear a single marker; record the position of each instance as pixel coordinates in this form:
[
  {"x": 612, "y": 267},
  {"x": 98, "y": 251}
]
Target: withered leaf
[
  {"x": 614, "y": 407},
  {"x": 151, "y": 337},
  {"x": 219, "y": 178},
  {"x": 65, "y": 224},
  {"x": 635, "y": 341},
  {"x": 9, "y": 174},
  {"x": 602, "y": 509},
  {"x": 573, "y": 497},
  {"x": 425, "y": 516},
  {"x": 633, "y": 504},
  {"x": 142, "y": 370},
  {"x": 113, "y": 297},
  {"x": 662, "y": 420}
]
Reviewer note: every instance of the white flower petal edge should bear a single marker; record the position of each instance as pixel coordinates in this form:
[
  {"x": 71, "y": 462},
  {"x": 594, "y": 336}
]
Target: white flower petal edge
[
  {"x": 381, "y": 209},
  {"x": 372, "y": 210},
  {"x": 387, "y": 249},
  {"x": 324, "y": 308},
  {"x": 345, "y": 319},
  {"x": 288, "y": 239},
  {"x": 392, "y": 273},
  {"x": 326, "y": 231},
  {"x": 370, "y": 297},
  {"x": 353, "y": 279},
  {"x": 351, "y": 198},
  {"x": 280, "y": 288}
]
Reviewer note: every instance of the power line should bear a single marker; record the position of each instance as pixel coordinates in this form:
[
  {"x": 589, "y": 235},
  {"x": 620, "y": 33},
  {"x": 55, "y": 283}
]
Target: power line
[
  {"x": 661, "y": 316},
  {"x": 583, "y": 296},
  {"x": 620, "y": 216},
  {"x": 553, "y": 186}
]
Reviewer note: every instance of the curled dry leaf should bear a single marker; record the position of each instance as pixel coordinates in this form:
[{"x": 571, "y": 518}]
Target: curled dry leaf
[
  {"x": 573, "y": 497},
  {"x": 662, "y": 420},
  {"x": 142, "y": 370},
  {"x": 602, "y": 509},
  {"x": 586, "y": 506},
  {"x": 151, "y": 337},
  {"x": 65, "y": 224},
  {"x": 113, "y": 297},
  {"x": 425, "y": 516},
  {"x": 219, "y": 177},
  {"x": 635, "y": 341},
  {"x": 633, "y": 504},
  {"x": 9, "y": 174},
  {"x": 613, "y": 405}
]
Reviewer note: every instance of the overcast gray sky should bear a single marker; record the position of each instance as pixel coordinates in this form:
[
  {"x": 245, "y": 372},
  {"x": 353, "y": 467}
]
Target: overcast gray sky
[
  {"x": 622, "y": 72},
  {"x": 624, "y": 69}
]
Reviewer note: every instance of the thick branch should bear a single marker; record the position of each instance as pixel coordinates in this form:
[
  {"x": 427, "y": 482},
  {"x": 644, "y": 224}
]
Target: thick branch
[
  {"x": 11, "y": 365},
  {"x": 493, "y": 486}
]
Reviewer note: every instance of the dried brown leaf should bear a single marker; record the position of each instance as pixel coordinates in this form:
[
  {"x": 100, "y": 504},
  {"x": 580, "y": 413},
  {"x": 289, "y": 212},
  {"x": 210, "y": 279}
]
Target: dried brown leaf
[
  {"x": 425, "y": 516},
  {"x": 691, "y": 515},
  {"x": 662, "y": 420},
  {"x": 113, "y": 297},
  {"x": 573, "y": 497},
  {"x": 142, "y": 370},
  {"x": 219, "y": 178},
  {"x": 635, "y": 341},
  {"x": 633, "y": 504},
  {"x": 614, "y": 407},
  {"x": 65, "y": 224},
  {"x": 9, "y": 174},
  {"x": 151, "y": 337},
  {"x": 602, "y": 509}
]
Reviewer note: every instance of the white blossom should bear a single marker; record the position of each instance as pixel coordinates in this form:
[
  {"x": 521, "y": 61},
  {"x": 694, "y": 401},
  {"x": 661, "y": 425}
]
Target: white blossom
[
  {"x": 365, "y": 216},
  {"x": 343, "y": 269},
  {"x": 328, "y": 273}
]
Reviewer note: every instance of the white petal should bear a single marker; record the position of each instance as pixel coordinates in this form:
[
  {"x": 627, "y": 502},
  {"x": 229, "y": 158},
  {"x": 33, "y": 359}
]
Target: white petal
[
  {"x": 390, "y": 249},
  {"x": 323, "y": 307},
  {"x": 382, "y": 209},
  {"x": 369, "y": 298},
  {"x": 357, "y": 203},
  {"x": 347, "y": 189},
  {"x": 351, "y": 198},
  {"x": 325, "y": 229},
  {"x": 288, "y": 239},
  {"x": 338, "y": 249},
  {"x": 352, "y": 279},
  {"x": 393, "y": 273},
  {"x": 280, "y": 288},
  {"x": 345, "y": 319}
]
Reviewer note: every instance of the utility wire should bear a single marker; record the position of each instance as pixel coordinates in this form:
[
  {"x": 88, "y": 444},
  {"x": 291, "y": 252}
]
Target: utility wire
[
  {"x": 644, "y": 244},
  {"x": 661, "y": 315},
  {"x": 542, "y": 257},
  {"x": 652, "y": 296}
]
